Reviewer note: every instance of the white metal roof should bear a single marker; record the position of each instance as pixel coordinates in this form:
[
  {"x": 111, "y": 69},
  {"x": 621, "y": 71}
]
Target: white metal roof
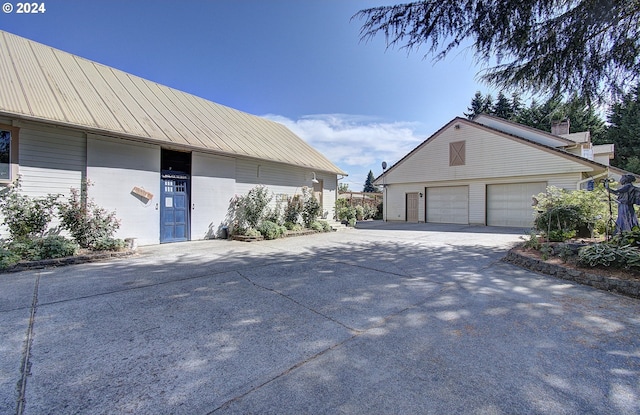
[{"x": 41, "y": 83}]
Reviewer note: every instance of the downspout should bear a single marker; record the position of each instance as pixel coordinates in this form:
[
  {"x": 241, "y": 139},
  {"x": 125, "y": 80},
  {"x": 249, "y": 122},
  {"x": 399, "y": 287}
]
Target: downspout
[{"x": 579, "y": 183}]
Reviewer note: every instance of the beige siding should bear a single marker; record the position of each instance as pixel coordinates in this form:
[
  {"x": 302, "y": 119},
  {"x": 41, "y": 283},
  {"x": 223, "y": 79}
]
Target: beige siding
[
  {"x": 565, "y": 181},
  {"x": 52, "y": 160},
  {"x": 395, "y": 201},
  {"x": 488, "y": 155}
]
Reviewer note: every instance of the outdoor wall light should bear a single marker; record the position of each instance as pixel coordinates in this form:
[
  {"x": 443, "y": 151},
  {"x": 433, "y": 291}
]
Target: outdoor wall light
[{"x": 314, "y": 180}]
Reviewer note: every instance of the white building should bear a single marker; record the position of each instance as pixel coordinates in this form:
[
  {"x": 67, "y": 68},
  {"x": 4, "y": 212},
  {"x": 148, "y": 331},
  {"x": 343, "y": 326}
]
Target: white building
[
  {"x": 486, "y": 171},
  {"x": 166, "y": 161}
]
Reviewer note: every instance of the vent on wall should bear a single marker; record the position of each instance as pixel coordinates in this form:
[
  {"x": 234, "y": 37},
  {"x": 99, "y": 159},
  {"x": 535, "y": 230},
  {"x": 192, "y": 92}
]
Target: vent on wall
[{"x": 457, "y": 153}]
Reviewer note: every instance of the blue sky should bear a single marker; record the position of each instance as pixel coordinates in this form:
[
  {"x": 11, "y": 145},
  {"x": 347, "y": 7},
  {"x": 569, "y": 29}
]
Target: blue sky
[{"x": 299, "y": 62}]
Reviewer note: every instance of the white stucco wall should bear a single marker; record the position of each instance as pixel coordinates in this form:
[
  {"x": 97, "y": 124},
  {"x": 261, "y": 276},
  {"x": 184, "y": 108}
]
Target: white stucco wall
[
  {"x": 115, "y": 167},
  {"x": 212, "y": 187}
]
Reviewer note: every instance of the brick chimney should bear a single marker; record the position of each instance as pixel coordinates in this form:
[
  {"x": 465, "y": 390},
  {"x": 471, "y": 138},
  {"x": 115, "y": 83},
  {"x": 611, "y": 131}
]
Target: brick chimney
[{"x": 560, "y": 127}]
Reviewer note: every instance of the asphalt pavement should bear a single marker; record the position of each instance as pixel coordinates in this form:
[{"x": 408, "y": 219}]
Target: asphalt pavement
[{"x": 383, "y": 319}]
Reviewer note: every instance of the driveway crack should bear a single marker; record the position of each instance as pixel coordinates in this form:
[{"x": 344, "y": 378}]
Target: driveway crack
[
  {"x": 25, "y": 364},
  {"x": 293, "y": 300}
]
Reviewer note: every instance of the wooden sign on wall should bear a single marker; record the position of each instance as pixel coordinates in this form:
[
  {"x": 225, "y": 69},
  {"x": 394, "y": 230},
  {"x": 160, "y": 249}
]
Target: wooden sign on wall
[{"x": 142, "y": 193}]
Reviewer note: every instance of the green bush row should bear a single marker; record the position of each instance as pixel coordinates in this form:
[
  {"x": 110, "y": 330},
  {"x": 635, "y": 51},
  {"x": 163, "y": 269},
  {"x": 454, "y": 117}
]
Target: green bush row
[
  {"x": 28, "y": 218},
  {"x": 251, "y": 214},
  {"x": 350, "y": 214}
]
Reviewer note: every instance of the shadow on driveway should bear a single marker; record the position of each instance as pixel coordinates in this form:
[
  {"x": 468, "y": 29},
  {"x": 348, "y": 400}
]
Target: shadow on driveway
[{"x": 332, "y": 323}]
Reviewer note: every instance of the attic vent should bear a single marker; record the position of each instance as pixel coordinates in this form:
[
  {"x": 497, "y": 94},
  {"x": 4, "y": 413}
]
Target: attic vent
[{"x": 457, "y": 153}]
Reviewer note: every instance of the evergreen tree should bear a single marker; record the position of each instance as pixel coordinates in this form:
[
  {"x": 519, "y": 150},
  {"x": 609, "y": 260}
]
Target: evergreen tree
[
  {"x": 575, "y": 46},
  {"x": 582, "y": 117},
  {"x": 477, "y": 106},
  {"x": 516, "y": 105},
  {"x": 533, "y": 116},
  {"x": 624, "y": 131},
  {"x": 487, "y": 105},
  {"x": 502, "y": 107},
  {"x": 368, "y": 185}
]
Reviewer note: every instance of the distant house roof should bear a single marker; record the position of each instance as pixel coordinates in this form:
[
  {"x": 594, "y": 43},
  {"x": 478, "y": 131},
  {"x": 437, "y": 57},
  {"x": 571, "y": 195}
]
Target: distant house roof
[
  {"x": 40, "y": 83},
  {"x": 539, "y": 141}
]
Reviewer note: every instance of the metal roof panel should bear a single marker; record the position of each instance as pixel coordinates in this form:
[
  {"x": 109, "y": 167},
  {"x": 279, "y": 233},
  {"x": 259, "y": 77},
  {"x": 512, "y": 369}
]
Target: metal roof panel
[{"x": 51, "y": 85}]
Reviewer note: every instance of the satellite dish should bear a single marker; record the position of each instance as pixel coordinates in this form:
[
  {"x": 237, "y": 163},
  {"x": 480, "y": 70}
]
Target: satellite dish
[{"x": 384, "y": 165}]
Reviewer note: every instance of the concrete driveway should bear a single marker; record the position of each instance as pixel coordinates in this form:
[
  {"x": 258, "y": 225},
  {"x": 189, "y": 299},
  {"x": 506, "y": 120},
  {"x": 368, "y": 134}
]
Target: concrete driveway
[{"x": 386, "y": 319}]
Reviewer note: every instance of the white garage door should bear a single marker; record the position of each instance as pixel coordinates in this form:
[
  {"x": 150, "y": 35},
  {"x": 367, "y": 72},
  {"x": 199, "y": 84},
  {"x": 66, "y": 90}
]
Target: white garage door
[
  {"x": 448, "y": 204},
  {"x": 510, "y": 204}
]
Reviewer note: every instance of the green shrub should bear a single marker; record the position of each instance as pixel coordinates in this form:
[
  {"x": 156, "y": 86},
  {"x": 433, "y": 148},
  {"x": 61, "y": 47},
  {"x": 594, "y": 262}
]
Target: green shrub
[
  {"x": 293, "y": 226},
  {"x": 575, "y": 210},
  {"x": 8, "y": 258},
  {"x": 609, "y": 255},
  {"x": 249, "y": 211},
  {"x": 631, "y": 237},
  {"x": 325, "y": 226},
  {"x": 316, "y": 226},
  {"x": 24, "y": 216},
  {"x": 559, "y": 222},
  {"x": 57, "y": 247},
  {"x": 251, "y": 232},
  {"x": 293, "y": 210},
  {"x": 565, "y": 252},
  {"x": 270, "y": 230},
  {"x": 25, "y": 248},
  {"x": 35, "y": 249},
  {"x": 533, "y": 242},
  {"x": 380, "y": 209},
  {"x": 311, "y": 207},
  {"x": 546, "y": 250},
  {"x": 352, "y": 222},
  {"x": 360, "y": 212},
  {"x": 346, "y": 213},
  {"x": 275, "y": 215},
  {"x": 370, "y": 211},
  {"x": 558, "y": 235},
  {"x": 85, "y": 221},
  {"x": 109, "y": 244}
]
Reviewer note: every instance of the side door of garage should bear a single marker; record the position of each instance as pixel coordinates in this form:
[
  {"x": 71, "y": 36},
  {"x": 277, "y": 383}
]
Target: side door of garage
[{"x": 412, "y": 207}]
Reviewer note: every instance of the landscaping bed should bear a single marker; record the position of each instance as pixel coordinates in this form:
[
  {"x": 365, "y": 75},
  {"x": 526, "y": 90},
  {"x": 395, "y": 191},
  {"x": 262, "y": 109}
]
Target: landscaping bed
[
  {"x": 287, "y": 234},
  {"x": 622, "y": 281},
  {"x": 80, "y": 258}
]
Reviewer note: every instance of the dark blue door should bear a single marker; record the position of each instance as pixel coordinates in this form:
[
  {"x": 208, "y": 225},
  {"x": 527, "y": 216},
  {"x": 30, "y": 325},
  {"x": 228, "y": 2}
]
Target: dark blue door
[{"x": 174, "y": 209}]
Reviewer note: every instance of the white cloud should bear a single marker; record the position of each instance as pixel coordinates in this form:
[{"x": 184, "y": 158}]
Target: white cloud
[{"x": 355, "y": 143}]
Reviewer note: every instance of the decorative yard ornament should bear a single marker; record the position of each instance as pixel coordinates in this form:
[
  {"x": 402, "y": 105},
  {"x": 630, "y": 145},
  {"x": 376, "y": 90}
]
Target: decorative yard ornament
[{"x": 628, "y": 195}]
